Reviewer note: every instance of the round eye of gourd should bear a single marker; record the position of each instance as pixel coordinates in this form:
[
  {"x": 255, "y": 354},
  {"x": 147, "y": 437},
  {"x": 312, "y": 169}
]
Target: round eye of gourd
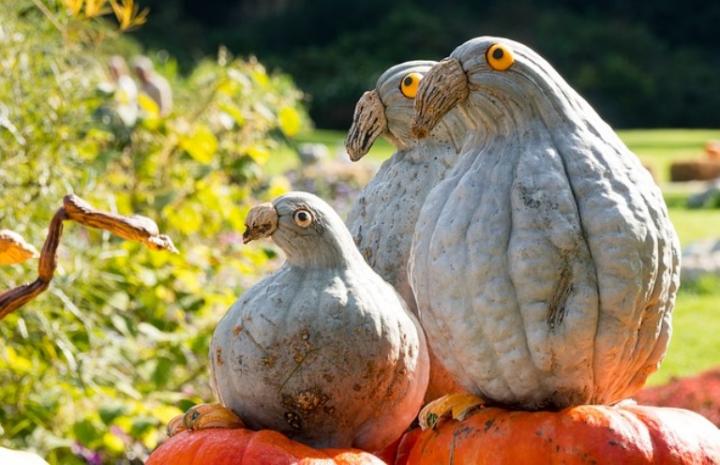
[
  {"x": 409, "y": 84},
  {"x": 302, "y": 218},
  {"x": 499, "y": 57}
]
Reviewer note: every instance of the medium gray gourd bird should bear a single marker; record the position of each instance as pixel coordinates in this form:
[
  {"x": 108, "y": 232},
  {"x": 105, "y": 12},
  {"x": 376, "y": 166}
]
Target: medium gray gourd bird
[
  {"x": 382, "y": 219},
  {"x": 383, "y": 216},
  {"x": 545, "y": 265},
  {"x": 324, "y": 350}
]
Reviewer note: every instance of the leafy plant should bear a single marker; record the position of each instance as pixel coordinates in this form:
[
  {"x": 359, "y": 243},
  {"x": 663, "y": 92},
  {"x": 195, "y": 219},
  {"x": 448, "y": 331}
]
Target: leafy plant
[{"x": 92, "y": 370}]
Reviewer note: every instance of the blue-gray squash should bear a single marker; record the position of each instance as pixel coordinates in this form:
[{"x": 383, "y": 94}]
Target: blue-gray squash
[
  {"x": 324, "y": 350},
  {"x": 545, "y": 266},
  {"x": 382, "y": 218}
]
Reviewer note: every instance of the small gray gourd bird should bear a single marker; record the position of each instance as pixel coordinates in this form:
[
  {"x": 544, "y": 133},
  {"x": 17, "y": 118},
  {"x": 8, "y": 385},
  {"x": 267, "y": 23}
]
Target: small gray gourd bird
[{"x": 324, "y": 350}]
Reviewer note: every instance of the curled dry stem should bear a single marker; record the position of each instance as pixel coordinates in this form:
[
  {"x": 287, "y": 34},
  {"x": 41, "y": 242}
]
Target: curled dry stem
[
  {"x": 204, "y": 416},
  {"x": 456, "y": 406},
  {"x": 134, "y": 228}
]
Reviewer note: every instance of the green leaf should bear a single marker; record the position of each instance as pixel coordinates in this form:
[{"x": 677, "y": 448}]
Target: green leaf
[
  {"x": 86, "y": 432},
  {"x": 140, "y": 425},
  {"x": 108, "y": 413},
  {"x": 163, "y": 369}
]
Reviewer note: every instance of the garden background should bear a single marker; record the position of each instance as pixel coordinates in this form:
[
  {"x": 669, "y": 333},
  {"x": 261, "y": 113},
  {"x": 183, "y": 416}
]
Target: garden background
[{"x": 92, "y": 370}]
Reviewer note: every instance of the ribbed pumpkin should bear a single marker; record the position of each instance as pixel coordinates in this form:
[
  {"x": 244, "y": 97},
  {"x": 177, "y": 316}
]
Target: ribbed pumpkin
[
  {"x": 382, "y": 219},
  {"x": 244, "y": 447},
  {"x": 323, "y": 350},
  {"x": 544, "y": 265},
  {"x": 585, "y": 435}
]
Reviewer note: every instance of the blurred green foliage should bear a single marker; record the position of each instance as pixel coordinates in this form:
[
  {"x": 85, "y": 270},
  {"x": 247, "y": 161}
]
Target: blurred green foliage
[{"x": 92, "y": 370}]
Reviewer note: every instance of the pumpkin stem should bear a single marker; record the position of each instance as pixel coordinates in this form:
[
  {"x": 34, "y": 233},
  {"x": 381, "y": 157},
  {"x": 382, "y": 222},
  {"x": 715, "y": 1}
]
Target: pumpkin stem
[
  {"x": 457, "y": 406},
  {"x": 204, "y": 416},
  {"x": 135, "y": 228},
  {"x": 14, "y": 249}
]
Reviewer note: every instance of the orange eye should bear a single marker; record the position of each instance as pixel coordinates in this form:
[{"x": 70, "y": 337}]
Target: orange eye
[
  {"x": 302, "y": 218},
  {"x": 409, "y": 84},
  {"x": 499, "y": 57}
]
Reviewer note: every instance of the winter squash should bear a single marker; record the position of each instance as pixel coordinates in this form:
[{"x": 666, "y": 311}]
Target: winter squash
[
  {"x": 244, "y": 447},
  {"x": 383, "y": 216},
  {"x": 544, "y": 265},
  {"x": 323, "y": 350},
  {"x": 626, "y": 434}
]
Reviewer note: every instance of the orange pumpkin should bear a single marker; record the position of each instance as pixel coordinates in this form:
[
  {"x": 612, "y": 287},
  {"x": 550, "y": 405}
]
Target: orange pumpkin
[
  {"x": 590, "y": 434},
  {"x": 244, "y": 447}
]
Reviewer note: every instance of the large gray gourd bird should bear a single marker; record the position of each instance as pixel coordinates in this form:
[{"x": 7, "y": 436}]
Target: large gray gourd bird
[
  {"x": 324, "y": 350},
  {"x": 544, "y": 265},
  {"x": 382, "y": 219}
]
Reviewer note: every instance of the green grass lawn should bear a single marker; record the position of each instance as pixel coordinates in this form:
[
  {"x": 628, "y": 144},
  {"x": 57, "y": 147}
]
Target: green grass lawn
[
  {"x": 657, "y": 148},
  {"x": 695, "y": 344}
]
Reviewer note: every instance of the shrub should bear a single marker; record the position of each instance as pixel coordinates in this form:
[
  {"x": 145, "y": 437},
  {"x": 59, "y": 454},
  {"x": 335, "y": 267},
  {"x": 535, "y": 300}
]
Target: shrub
[{"x": 90, "y": 371}]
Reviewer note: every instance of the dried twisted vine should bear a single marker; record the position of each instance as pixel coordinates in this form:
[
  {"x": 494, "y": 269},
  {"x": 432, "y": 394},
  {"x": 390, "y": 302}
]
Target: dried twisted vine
[{"x": 134, "y": 228}]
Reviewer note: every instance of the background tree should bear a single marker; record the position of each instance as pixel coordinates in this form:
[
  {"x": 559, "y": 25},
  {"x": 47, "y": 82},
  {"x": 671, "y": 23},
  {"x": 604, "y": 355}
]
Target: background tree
[{"x": 624, "y": 56}]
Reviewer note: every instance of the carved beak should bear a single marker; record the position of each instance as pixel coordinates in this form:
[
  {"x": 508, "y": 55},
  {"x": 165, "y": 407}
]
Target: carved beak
[
  {"x": 369, "y": 122},
  {"x": 262, "y": 221},
  {"x": 443, "y": 87}
]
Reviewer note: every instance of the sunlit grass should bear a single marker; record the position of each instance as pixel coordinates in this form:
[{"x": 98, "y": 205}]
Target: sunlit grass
[
  {"x": 695, "y": 344},
  {"x": 657, "y": 148},
  {"x": 693, "y": 225}
]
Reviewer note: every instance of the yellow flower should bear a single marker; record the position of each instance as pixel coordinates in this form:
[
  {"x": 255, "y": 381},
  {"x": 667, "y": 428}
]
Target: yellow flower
[
  {"x": 128, "y": 14},
  {"x": 74, "y": 6},
  {"x": 94, "y": 8}
]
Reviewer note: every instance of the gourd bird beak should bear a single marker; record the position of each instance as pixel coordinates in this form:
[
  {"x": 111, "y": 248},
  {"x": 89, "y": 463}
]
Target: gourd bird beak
[
  {"x": 369, "y": 122},
  {"x": 261, "y": 221},
  {"x": 443, "y": 87}
]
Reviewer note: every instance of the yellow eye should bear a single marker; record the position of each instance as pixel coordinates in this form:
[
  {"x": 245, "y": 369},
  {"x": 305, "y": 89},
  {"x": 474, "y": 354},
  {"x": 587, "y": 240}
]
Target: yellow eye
[
  {"x": 302, "y": 218},
  {"x": 409, "y": 84},
  {"x": 499, "y": 57}
]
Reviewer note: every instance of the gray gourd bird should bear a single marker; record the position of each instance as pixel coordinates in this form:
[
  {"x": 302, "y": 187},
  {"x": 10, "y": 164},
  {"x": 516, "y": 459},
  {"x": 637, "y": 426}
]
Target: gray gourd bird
[
  {"x": 124, "y": 90},
  {"x": 324, "y": 350},
  {"x": 153, "y": 85},
  {"x": 545, "y": 264},
  {"x": 382, "y": 219}
]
